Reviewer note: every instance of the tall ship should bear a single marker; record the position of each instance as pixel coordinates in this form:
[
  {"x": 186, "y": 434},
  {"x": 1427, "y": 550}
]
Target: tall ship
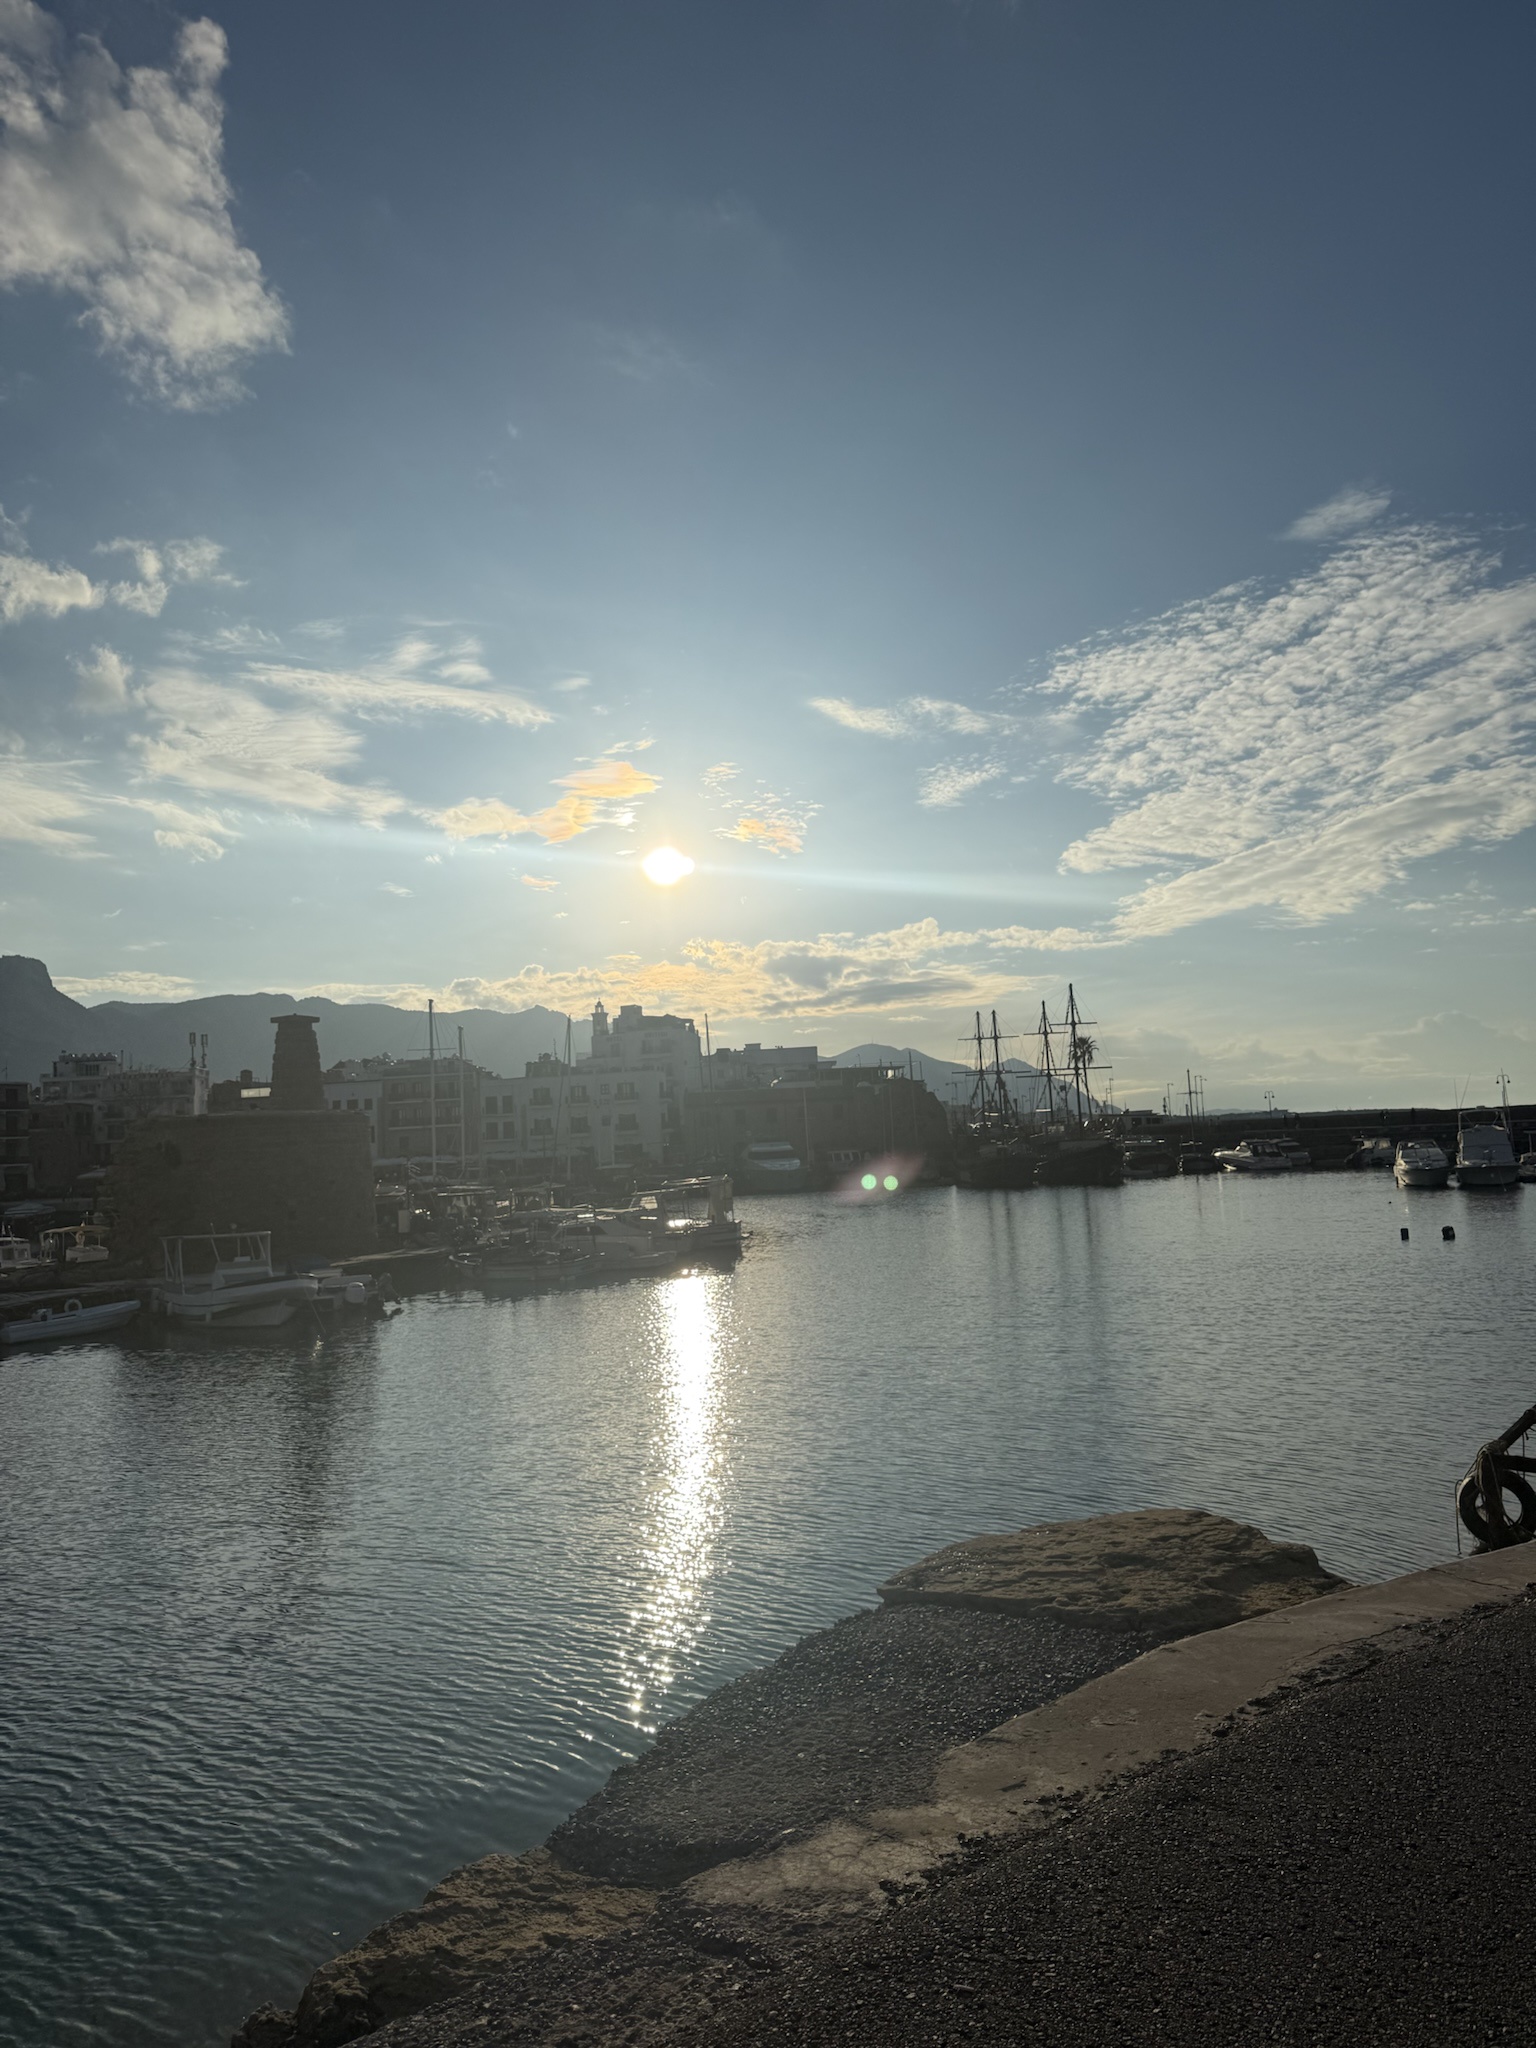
[{"x": 1040, "y": 1128}]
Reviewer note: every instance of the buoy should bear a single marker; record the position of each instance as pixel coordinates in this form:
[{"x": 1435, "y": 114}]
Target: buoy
[
  {"x": 1448, "y": 1233},
  {"x": 1403, "y": 1233}
]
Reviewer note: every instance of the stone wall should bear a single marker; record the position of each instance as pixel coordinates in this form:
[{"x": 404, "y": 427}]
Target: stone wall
[{"x": 304, "y": 1176}]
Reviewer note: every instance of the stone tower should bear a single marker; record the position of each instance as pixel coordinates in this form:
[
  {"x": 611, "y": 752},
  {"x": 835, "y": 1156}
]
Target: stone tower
[{"x": 296, "y": 1082}]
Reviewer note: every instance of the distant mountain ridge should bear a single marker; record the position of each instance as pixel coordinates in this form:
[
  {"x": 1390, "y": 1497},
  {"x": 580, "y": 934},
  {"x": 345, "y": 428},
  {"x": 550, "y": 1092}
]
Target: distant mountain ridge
[
  {"x": 924, "y": 1066},
  {"x": 39, "y": 1021}
]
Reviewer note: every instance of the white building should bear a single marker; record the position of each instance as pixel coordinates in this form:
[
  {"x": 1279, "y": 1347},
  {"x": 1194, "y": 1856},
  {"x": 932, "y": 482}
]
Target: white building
[{"x": 621, "y": 1106}]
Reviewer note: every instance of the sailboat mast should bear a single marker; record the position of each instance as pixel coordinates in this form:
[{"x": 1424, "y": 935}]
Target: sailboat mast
[
  {"x": 463, "y": 1103},
  {"x": 432, "y": 1078},
  {"x": 1000, "y": 1085}
]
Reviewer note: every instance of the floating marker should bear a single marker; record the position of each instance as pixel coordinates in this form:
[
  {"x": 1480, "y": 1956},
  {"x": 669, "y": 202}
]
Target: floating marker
[
  {"x": 1403, "y": 1233},
  {"x": 1448, "y": 1233}
]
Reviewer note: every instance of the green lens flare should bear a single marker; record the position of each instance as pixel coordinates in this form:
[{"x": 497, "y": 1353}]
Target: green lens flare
[
  {"x": 869, "y": 1181},
  {"x": 892, "y": 1182}
]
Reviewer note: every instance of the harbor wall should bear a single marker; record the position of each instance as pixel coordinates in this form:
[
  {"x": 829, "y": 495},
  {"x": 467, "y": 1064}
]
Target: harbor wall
[{"x": 305, "y": 1176}]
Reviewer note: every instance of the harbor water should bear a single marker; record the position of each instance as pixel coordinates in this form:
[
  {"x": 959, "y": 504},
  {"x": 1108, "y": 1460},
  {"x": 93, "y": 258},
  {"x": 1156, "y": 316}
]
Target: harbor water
[{"x": 291, "y": 1624}]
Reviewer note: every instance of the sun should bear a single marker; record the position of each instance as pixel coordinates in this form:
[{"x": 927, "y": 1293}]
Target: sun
[{"x": 666, "y": 866}]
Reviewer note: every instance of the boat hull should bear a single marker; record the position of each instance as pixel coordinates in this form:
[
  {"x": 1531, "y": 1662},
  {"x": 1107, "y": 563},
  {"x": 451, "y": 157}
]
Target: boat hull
[
  {"x": 1422, "y": 1176},
  {"x": 1487, "y": 1174},
  {"x": 48, "y": 1326}
]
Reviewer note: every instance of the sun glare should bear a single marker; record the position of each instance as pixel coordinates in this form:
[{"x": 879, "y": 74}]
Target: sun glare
[{"x": 666, "y": 866}]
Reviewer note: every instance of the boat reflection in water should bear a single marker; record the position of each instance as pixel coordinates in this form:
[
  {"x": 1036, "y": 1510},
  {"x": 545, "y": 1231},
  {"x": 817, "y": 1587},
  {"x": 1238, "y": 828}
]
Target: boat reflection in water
[{"x": 686, "y": 1491}]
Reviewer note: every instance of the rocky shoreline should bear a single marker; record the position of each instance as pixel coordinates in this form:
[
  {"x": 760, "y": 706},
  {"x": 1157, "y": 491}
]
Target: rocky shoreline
[{"x": 647, "y": 1904}]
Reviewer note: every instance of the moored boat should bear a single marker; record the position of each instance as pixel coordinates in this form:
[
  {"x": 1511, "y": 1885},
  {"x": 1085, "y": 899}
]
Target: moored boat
[
  {"x": 227, "y": 1279},
  {"x": 769, "y": 1166},
  {"x": 1253, "y": 1155},
  {"x": 74, "y": 1319},
  {"x": 1148, "y": 1159},
  {"x": 1420, "y": 1163},
  {"x": 1484, "y": 1157},
  {"x": 1525, "y": 1166}
]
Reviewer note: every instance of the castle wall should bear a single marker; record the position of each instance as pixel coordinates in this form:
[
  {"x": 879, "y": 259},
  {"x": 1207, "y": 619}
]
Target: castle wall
[{"x": 307, "y": 1177}]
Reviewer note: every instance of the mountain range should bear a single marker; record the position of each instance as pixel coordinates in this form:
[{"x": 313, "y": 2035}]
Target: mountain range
[{"x": 39, "y": 1021}]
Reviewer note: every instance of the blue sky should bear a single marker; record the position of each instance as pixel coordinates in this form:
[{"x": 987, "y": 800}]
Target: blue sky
[{"x": 1016, "y": 493}]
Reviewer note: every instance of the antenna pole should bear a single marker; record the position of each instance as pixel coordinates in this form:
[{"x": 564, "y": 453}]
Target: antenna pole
[{"x": 463, "y": 1105}]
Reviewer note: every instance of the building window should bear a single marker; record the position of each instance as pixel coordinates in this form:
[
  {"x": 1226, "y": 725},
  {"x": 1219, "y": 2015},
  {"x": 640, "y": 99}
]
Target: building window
[
  {"x": 542, "y": 1126},
  {"x": 604, "y": 1089},
  {"x": 578, "y": 1092},
  {"x": 368, "y": 1102},
  {"x": 539, "y": 1095},
  {"x": 627, "y": 1091},
  {"x": 581, "y": 1124},
  {"x": 493, "y": 1130},
  {"x": 628, "y": 1123},
  {"x": 353, "y": 1103}
]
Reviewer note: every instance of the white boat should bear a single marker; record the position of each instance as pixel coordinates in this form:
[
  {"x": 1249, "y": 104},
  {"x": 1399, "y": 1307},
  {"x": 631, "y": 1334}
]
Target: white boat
[
  {"x": 82, "y": 1244},
  {"x": 769, "y": 1166},
  {"x": 690, "y": 1215},
  {"x": 226, "y": 1278},
  {"x": 72, "y": 1320},
  {"x": 1420, "y": 1163},
  {"x": 1485, "y": 1158},
  {"x": 1254, "y": 1155},
  {"x": 19, "y": 1255},
  {"x": 1526, "y": 1166}
]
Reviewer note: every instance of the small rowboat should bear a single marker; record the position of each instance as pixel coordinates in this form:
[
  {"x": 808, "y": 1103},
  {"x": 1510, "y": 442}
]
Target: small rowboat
[{"x": 72, "y": 1320}]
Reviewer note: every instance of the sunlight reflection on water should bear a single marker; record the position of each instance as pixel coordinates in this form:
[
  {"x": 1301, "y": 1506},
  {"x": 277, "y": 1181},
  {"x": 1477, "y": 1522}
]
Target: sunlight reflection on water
[{"x": 685, "y": 1491}]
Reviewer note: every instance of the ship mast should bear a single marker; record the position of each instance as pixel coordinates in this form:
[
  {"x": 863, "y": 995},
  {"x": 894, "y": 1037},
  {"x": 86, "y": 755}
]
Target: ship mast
[{"x": 1002, "y": 1102}]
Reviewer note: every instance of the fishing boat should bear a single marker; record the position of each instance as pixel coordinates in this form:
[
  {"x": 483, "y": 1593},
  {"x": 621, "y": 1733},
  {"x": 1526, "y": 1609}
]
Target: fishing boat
[
  {"x": 1484, "y": 1157},
  {"x": 1420, "y": 1163},
  {"x": 18, "y": 1255},
  {"x": 1253, "y": 1155},
  {"x": 226, "y": 1280},
  {"x": 690, "y": 1215},
  {"x": 74, "y": 1319}
]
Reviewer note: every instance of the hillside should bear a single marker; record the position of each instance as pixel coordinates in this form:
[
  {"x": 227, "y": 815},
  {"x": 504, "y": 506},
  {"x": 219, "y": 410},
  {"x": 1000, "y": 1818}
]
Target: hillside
[
  {"x": 39, "y": 1021},
  {"x": 938, "y": 1074}
]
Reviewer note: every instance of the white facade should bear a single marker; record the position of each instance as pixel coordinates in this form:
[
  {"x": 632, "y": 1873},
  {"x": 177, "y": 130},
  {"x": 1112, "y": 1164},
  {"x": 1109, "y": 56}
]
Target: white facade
[{"x": 621, "y": 1106}]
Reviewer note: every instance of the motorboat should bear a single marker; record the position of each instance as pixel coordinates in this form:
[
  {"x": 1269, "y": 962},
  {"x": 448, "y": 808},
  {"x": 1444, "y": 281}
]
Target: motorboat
[
  {"x": 74, "y": 1319},
  {"x": 1373, "y": 1154},
  {"x": 1198, "y": 1159},
  {"x": 1420, "y": 1163},
  {"x": 1525, "y": 1166},
  {"x": 1485, "y": 1158},
  {"x": 1296, "y": 1153},
  {"x": 337, "y": 1288},
  {"x": 1253, "y": 1155},
  {"x": 18, "y": 1255},
  {"x": 770, "y": 1166},
  {"x": 81, "y": 1244},
  {"x": 226, "y": 1279},
  {"x": 1149, "y": 1159},
  {"x": 690, "y": 1215}
]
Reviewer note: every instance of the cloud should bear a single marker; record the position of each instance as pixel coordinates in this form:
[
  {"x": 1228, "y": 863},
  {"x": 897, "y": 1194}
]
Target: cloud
[
  {"x": 159, "y": 565},
  {"x": 112, "y": 188},
  {"x": 953, "y": 780},
  {"x": 417, "y": 678},
  {"x": 28, "y": 586},
  {"x": 912, "y": 717},
  {"x": 130, "y": 986},
  {"x": 395, "y": 889},
  {"x": 1343, "y": 513},
  {"x": 641, "y": 355},
  {"x": 177, "y": 830},
  {"x": 1298, "y": 749},
  {"x": 574, "y": 683},
  {"x": 834, "y": 974},
  {"x": 223, "y": 741},
  {"x": 104, "y": 677},
  {"x": 538, "y": 882},
  {"x": 40, "y": 801},
  {"x": 600, "y": 794},
  {"x": 775, "y": 835}
]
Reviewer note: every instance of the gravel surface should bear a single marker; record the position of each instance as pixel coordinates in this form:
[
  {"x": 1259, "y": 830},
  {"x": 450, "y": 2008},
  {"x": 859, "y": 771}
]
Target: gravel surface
[
  {"x": 853, "y": 1716},
  {"x": 1356, "y": 1865}
]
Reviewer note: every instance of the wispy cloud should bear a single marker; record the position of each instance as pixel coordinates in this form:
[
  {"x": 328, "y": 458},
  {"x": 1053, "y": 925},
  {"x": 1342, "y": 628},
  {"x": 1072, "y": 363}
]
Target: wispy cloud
[
  {"x": 912, "y": 717},
  {"x": 225, "y": 742},
  {"x": 42, "y": 802},
  {"x": 418, "y": 677},
  {"x": 765, "y": 819},
  {"x": 131, "y": 985},
  {"x": 835, "y": 974},
  {"x": 1345, "y": 512},
  {"x": 952, "y": 781},
  {"x": 112, "y": 188},
  {"x": 1298, "y": 749},
  {"x": 28, "y": 586},
  {"x": 600, "y": 793}
]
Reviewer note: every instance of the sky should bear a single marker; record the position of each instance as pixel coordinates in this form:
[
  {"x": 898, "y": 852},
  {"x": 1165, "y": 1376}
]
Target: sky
[{"x": 1016, "y": 494}]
